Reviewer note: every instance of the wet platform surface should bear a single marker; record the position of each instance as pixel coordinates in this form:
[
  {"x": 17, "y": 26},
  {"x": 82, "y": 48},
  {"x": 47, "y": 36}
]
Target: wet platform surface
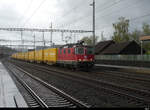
[{"x": 8, "y": 91}]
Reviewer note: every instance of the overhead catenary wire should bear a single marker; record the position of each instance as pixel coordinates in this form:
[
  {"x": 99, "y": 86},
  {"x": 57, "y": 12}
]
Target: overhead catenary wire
[
  {"x": 107, "y": 15},
  {"x": 26, "y": 11},
  {"x": 132, "y": 19},
  {"x": 88, "y": 25},
  {"x": 34, "y": 12},
  {"x": 69, "y": 12},
  {"x": 82, "y": 19},
  {"x": 87, "y": 15},
  {"x": 116, "y": 11}
]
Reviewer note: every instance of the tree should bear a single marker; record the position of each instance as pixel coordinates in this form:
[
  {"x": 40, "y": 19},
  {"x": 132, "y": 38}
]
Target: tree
[
  {"x": 146, "y": 29},
  {"x": 89, "y": 40},
  {"x": 121, "y": 33},
  {"x": 135, "y": 35},
  {"x": 102, "y": 37},
  {"x": 146, "y": 32}
]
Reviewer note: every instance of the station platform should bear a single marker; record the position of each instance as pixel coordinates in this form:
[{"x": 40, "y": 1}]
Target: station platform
[
  {"x": 9, "y": 94},
  {"x": 127, "y": 68}
]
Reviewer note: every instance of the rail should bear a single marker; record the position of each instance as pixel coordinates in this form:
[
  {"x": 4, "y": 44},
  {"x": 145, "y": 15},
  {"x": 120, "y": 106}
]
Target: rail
[
  {"x": 56, "y": 90},
  {"x": 32, "y": 93}
]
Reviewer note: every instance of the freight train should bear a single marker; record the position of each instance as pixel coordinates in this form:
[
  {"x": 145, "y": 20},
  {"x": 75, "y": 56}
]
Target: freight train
[{"x": 69, "y": 55}]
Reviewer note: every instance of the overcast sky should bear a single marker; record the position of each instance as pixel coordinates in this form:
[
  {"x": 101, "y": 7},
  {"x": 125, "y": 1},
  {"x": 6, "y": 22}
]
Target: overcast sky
[{"x": 69, "y": 14}]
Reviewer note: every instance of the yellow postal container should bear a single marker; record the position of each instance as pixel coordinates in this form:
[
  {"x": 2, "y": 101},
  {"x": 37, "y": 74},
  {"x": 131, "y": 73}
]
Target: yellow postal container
[
  {"x": 39, "y": 56},
  {"x": 31, "y": 56},
  {"x": 13, "y": 56},
  {"x": 19, "y": 56},
  {"x": 22, "y": 56},
  {"x": 50, "y": 55},
  {"x": 26, "y": 56}
]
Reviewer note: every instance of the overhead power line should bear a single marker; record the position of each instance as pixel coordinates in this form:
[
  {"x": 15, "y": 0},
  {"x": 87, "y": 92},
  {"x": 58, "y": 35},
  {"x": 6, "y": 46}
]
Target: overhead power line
[
  {"x": 128, "y": 5},
  {"x": 111, "y": 5},
  {"x": 71, "y": 10},
  {"x": 120, "y": 9},
  {"x": 88, "y": 15},
  {"x": 34, "y": 12},
  {"x": 27, "y": 9},
  {"x": 132, "y": 19},
  {"x": 4, "y": 40}
]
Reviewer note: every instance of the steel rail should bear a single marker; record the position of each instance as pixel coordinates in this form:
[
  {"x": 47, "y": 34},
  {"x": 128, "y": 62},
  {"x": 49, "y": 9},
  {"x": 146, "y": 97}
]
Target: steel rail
[
  {"x": 56, "y": 90},
  {"x": 108, "y": 84},
  {"x": 33, "y": 94}
]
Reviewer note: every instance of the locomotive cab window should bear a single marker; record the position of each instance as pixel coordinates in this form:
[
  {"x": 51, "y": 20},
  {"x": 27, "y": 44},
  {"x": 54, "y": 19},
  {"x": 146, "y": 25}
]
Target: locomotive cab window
[
  {"x": 69, "y": 51},
  {"x": 64, "y": 51},
  {"x": 79, "y": 51}
]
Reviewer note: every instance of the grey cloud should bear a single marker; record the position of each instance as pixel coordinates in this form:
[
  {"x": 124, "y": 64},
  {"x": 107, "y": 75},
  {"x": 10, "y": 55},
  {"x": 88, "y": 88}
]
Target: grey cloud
[
  {"x": 8, "y": 16},
  {"x": 77, "y": 14}
]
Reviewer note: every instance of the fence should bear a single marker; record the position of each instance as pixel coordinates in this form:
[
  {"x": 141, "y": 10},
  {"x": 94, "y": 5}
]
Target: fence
[{"x": 124, "y": 57}]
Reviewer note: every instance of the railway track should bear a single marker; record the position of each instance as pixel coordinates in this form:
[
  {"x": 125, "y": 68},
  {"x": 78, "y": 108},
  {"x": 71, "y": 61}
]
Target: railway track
[
  {"x": 45, "y": 95},
  {"x": 140, "y": 97},
  {"x": 125, "y": 75},
  {"x": 121, "y": 76},
  {"x": 30, "y": 96}
]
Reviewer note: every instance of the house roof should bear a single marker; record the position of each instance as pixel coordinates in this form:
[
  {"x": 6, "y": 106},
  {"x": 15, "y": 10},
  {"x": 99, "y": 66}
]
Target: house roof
[
  {"x": 102, "y": 45},
  {"x": 145, "y": 38},
  {"x": 117, "y": 48}
]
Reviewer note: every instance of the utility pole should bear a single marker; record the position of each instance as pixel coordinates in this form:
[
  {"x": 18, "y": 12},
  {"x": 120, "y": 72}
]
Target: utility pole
[
  {"x": 34, "y": 46},
  {"x": 21, "y": 41},
  {"x": 43, "y": 40},
  {"x": 10, "y": 45},
  {"x": 74, "y": 38},
  {"x": 43, "y": 47},
  {"x": 34, "y": 41},
  {"x": 51, "y": 34},
  {"x": 141, "y": 47},
  {"x": 93, "y": 4}
]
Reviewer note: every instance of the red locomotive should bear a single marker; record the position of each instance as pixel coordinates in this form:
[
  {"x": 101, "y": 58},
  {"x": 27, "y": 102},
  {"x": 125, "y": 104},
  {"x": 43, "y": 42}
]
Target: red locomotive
[{"x": 76, "y": 56}]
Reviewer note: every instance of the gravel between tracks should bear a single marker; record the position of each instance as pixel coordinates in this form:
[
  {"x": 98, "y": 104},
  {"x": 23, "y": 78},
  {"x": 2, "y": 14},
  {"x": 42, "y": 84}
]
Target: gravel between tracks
[
  {"x": 97, "y": 98},
  {"x": 121, "y": 78}
]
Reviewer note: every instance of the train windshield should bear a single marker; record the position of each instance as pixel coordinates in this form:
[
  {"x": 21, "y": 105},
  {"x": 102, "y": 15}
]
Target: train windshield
[
  {"x": 79, "y": 51},
  {"x": 89, "y": 51}
]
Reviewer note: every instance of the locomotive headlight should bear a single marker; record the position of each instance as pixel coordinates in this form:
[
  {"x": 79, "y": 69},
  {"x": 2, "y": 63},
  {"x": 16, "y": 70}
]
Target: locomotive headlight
[{"x": 85, "y": 57}]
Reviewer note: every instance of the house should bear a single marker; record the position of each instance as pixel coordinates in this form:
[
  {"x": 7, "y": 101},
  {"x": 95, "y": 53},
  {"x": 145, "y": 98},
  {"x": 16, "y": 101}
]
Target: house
[
  {"x": 101, "y": 46},
  {"x": 124, "y": 48}
]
